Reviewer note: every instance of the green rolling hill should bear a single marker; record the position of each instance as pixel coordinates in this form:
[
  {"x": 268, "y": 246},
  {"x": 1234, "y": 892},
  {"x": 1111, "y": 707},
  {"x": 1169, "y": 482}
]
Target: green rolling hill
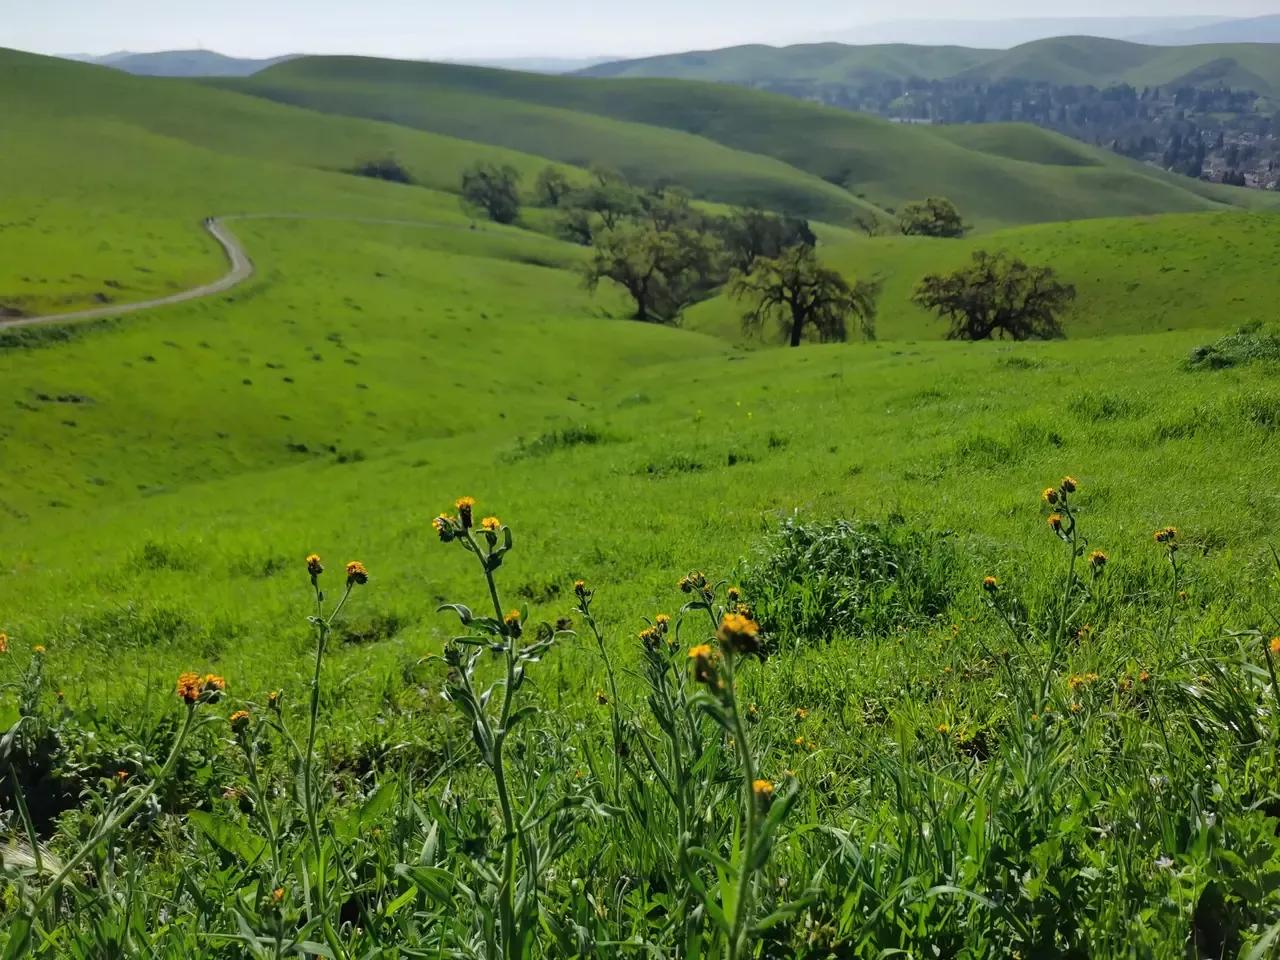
[
  {"x": 1062, "y": 60},
  {"x": 1007, "y": 176},
  {"x": 812, "y": 62}
]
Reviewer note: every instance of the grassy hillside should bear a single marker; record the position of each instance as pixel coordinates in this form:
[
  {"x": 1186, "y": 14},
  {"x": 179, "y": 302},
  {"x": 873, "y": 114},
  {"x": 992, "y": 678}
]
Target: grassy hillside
[
  {"x": 1091, "y": 61},
  {"x": 1087, "y": 741},
  {"x": 887, "y": 164},
  {"x": 1133, "y": 275},
  {"x": 144, "y": 160},
  {"x": 645, "y": 153}
]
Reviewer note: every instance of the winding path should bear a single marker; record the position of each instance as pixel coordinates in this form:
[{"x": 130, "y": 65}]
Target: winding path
[{"x": 241, "y": 268}]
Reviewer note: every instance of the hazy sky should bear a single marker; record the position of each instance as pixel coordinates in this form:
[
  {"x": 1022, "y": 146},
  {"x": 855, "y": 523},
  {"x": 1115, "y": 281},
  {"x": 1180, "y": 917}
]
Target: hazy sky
[{"x": 477, "y": 28}]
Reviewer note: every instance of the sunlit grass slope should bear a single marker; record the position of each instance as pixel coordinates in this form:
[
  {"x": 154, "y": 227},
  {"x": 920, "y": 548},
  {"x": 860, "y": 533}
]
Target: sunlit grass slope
[
  {"x": 645, "y": 153},
  {"x": 111, "y": 174},
  {"x": 948, "y": 435},
  {"x": 1132, "y": 275}
]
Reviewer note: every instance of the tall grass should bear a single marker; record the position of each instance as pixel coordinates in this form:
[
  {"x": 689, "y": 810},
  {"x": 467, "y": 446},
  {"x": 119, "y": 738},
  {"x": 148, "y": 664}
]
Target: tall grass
[{"x": 965, "y": 766}]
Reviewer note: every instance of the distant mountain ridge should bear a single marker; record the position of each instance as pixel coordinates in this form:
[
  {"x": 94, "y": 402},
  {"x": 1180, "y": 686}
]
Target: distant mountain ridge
[
  {"x": 1081, "y": 61},
  {"x": 1252, "y": 30},
  {"x": 181, "y": 63},
  {"x": 1006, "y": 33}
]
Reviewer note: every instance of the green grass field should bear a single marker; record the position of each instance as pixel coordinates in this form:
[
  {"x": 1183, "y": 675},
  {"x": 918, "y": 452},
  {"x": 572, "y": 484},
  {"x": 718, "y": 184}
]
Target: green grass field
[{"x": 1076, "y": 760}]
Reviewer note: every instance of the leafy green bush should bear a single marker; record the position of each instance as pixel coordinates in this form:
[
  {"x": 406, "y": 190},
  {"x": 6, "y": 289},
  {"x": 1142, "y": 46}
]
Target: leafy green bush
[
  {"x": 816, "y": 581},
  {"x": 1250, "y": 344}
]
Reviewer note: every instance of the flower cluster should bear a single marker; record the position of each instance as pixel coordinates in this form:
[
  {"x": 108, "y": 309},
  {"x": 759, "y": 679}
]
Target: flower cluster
[
  {"x": 1061, "y": 521},
  {"x": 1080, "y": 680},
  {"x": 193, "y": 688},
  {"x": 356, "y": 573},
  {"x": 697, "y": 583},
  {"x": 652, "y": 636}
]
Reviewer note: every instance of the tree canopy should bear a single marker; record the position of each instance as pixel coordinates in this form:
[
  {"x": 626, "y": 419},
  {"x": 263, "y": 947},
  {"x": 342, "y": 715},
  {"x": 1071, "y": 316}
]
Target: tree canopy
[
  {"x": 494, "y": 190},
  {"x": 753, "y": 234},
  {"x": 551, "y": 187},
  {"x": 997, "y": 294},
  {"x": 664, "y": 270},
  {"x": 934, "y": 217},
  {"x": 796, "y": 293}
]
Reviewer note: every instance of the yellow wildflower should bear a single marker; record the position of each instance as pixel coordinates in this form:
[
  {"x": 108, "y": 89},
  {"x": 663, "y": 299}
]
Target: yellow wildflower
[
  {"x": 704, "y": 663},
  {"x": 465, "y": 507},
  {"x": 739, "y": 634},
  {"x": 189, "y": 687}
]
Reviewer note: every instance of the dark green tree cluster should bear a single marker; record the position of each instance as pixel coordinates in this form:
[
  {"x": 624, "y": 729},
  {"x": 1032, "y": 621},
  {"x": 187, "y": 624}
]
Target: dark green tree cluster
[
  {"x": 997, "y": 295},
  {"x": 664, "y": 251},
  {"x": 798, "y": 295},
  {"x": 493, "y": 191},
  {"x": 934, "y": 217}
]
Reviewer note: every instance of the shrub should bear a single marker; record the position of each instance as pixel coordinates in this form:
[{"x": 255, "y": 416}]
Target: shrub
[
  {"x": 814, "y": 581},
  {"x": 1246, "y": 345},
  {"x": 386, "y": 168}
]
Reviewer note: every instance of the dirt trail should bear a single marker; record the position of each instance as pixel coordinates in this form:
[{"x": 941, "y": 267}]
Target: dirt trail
[{"x": 241, "y": 268}]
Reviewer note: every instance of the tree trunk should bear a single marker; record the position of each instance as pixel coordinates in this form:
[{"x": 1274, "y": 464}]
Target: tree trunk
[{"x": 797, "y": 328}]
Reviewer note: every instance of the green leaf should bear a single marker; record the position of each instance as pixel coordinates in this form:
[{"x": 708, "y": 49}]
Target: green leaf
[
  {"x": 235, "y": 839},
  {"x": 400, "y": 902},
  {"x": 378, "y": 803},
  {"x": 464, "y": 612},
  {"x": 315, "y": 949},
  {"x": 19, "y": 941},
  {"x": 435, "y": 883},
  {"x": 521, "y": 714}
]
